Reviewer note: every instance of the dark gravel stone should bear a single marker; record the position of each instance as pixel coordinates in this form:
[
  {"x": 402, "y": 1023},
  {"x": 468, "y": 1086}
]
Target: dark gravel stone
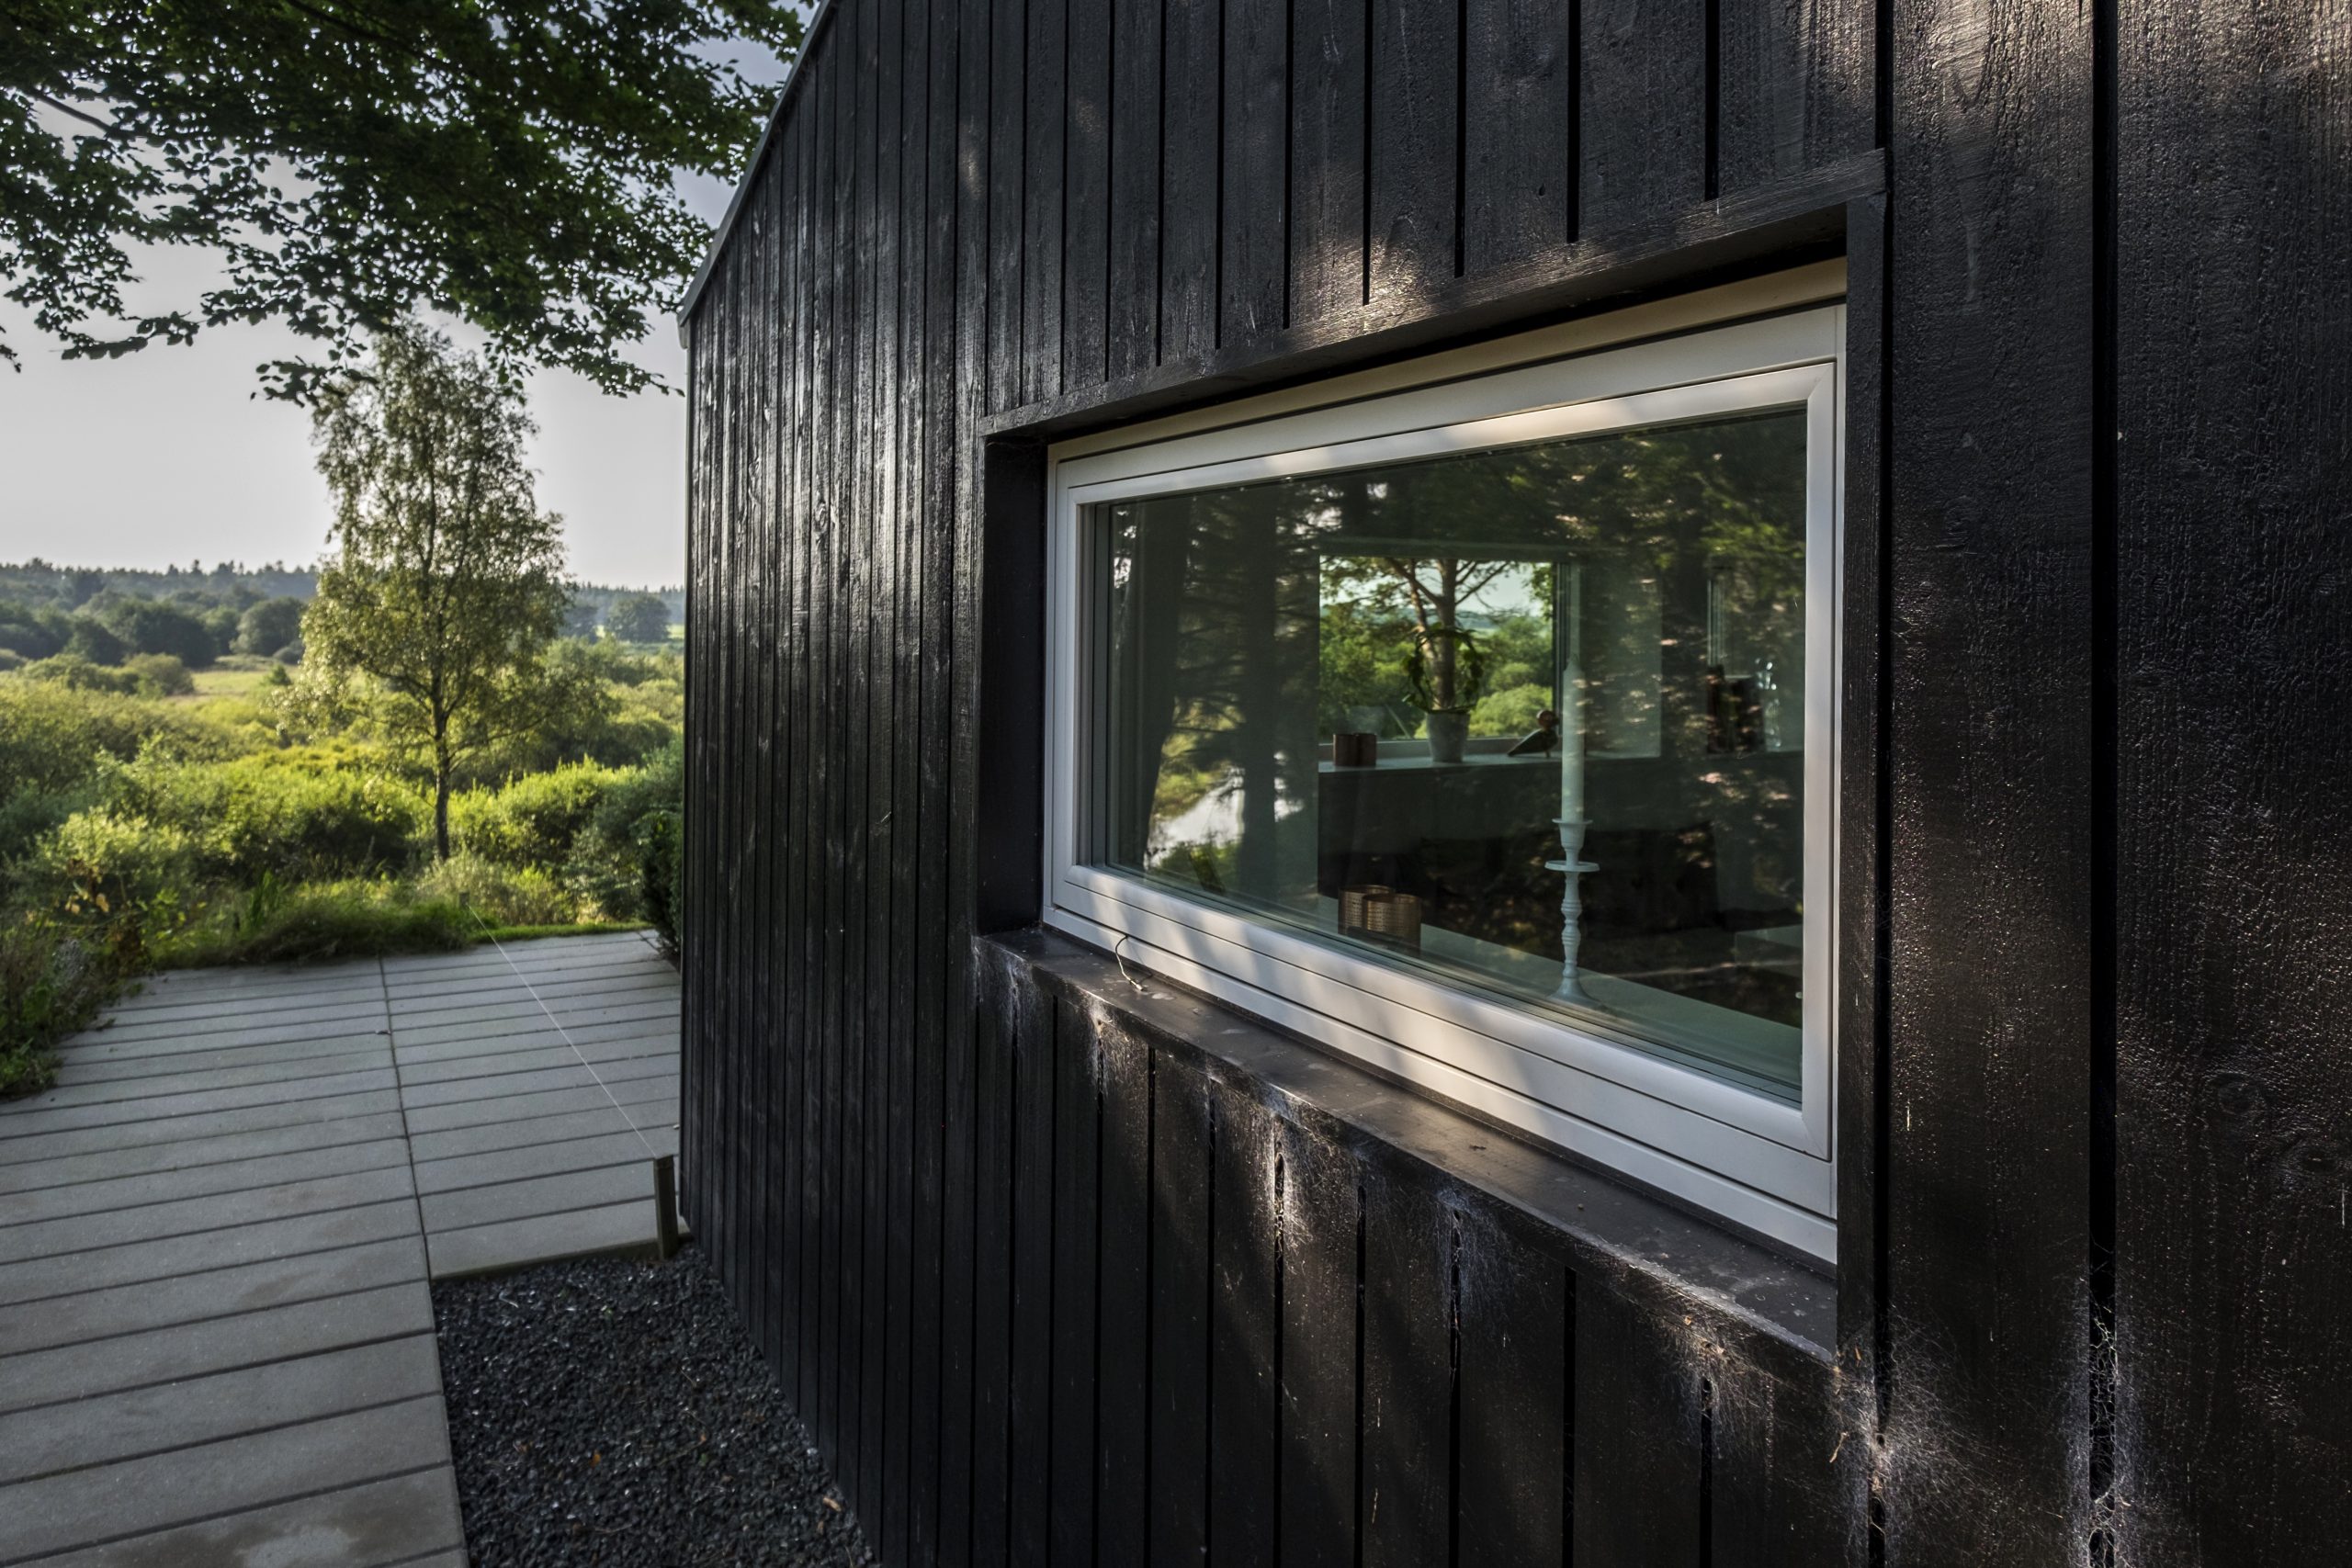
[{"x": 614, "y": 1412}]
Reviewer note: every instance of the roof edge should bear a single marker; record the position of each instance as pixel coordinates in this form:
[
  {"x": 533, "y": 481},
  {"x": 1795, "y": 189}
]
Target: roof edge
[{"x": 818, "y": 19}]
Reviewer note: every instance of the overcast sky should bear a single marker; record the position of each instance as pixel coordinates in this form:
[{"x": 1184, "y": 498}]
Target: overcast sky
[{"x": 166, "y": 457}]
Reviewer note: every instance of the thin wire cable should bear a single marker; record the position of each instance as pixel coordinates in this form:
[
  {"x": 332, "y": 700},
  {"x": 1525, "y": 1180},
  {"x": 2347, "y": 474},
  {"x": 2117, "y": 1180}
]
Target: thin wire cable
[{"x": 492, "y": 937}]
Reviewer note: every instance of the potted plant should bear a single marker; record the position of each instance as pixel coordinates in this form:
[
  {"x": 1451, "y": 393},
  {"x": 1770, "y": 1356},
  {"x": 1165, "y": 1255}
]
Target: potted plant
[{"x": 1446, "y": 671}]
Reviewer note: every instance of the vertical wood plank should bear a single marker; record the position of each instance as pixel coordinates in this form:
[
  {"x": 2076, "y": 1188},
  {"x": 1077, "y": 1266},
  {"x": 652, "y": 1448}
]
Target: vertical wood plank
[
  {"x": 1409, "y": 1277},
  {"x": 1253, "y": 267},
  {"x": 994, "y": 1005},
  {"x": 964, "y": 1434},
  {"x": 2233, "y": 215},
  {"x": 1244, "y": 1299},
  {"x": 1184, "y": 1155},
  {"x": 1321, "y": 1306},
  {"x": 1007, "y": 173},
  {"x": 1636, "y": 1466},
  {"x": 1032, "y": 1086},
  {"x": 1190, "y": 98},
  {"x": 1327, "y": 171},
  {"x": 1990, "y": 776},
  {"x": 1787, "y": 1474},
  {"x": 1414, "y": 109},
  {"x": 1086, "y": 207},
  {"x": 1132, "y": 330},
  {"x": 1123, "y": 1393},
  {"x": 1513, "y": 1401},
  {"x": 1047, "y": 110},
  {"x": 1797, "y": 87},
  {"x": 1518, "y": 180},
  {"x": 1077, "y": 1282},
  {"x": 1642, "y": 113}
]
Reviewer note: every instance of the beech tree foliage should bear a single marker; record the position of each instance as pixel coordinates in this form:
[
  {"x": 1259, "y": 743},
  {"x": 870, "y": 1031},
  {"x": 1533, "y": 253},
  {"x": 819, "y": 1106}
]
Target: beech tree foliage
[{"x": 350, "y": 162}]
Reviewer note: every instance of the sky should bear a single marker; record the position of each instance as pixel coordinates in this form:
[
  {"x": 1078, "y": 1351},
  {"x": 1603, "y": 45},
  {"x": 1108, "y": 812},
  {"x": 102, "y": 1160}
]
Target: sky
[{"x": 167, "y": 455}]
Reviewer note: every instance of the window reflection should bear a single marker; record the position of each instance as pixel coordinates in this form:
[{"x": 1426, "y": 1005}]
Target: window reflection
[{"x": 1390, "y": 707}]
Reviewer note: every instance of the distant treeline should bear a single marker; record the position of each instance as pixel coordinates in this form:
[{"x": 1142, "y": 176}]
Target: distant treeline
[{"x": 37, "y": 584}]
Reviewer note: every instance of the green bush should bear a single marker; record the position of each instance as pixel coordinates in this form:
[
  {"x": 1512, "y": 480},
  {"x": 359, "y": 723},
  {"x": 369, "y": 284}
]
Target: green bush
[
  {"x": 298, "y": 814},
  {"x": 159, "y": 675},
  {"x": 75, "y": 673},
  {"x": 536, "y": 820},
  {"x": 53, "y": 983},
  {"x": 10, "y": 659},
  {"x": 624, "y": 863},
  {"x": 102, "y": 862},
  {"x": 352, "y": 918},
  {"x": 89, "y": 638},
  {"x": 269, "y": 626},
  {"x": 502, "y": 895},
  {"x": 53, "y": 737}
]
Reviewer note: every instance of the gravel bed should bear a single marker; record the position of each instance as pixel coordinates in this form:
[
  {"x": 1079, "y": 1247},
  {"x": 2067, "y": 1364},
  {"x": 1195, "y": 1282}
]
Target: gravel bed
[{"x": 613, "y": 1412}]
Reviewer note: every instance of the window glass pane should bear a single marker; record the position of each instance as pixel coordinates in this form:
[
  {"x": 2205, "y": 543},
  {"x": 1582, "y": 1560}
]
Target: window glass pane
[{"x": 1381, "y": 708}]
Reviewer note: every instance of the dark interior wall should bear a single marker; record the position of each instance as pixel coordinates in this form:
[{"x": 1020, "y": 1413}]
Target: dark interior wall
[{"x": 2092, "y": 1079}]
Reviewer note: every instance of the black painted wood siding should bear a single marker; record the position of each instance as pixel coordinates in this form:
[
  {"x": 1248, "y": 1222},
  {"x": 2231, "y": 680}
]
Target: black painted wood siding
[{"x": 1061, "y": 1274}]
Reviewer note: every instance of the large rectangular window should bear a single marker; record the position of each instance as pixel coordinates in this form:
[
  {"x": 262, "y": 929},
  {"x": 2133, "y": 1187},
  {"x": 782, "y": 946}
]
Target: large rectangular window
[{"x": 1488, "y": 727}]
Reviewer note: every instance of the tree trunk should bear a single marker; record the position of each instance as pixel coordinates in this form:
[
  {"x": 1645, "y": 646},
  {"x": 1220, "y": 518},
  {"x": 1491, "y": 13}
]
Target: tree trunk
[{"x": 441, "y": 769}]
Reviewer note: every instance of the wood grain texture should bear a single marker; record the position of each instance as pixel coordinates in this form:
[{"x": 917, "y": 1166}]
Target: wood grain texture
[
  {"x": 1254, "y": 181},
  {"x": 1519, "y": 176},
  {"x": 1413, "y": 126},
  {"x": 1642, "y": 112},
  {"x": 2233, "y": 215},
  {"x": 1069, "y": 210},
  {"x": 1991, "y": 773}
]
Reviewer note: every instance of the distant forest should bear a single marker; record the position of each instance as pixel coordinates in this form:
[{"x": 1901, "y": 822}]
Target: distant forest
[{"x": 39, "y": 584}]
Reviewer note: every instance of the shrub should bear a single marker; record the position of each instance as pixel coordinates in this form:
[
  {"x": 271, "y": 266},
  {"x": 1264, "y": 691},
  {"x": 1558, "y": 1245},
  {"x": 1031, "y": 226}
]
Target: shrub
[
  {"x": 626, "y": 862},
  {"x": 354, "y": 918},
  {"x": 269, "y": 626},
  {"x": 53, "y": 737},
  {"x": 159, "y": 675},
  {"x": 153, "y": 626},
  {"x": 76, "y": 673},
  {"x": 53, "y": 983},
  {"x": 91, "y": 639},
  {"x": 502, "y": 895},
  {"x": 300, "y": 814},
  {"x": 536, "y": 820},
  {"x": 10, "y": 659},
  {"x": 99, "y": 863}
]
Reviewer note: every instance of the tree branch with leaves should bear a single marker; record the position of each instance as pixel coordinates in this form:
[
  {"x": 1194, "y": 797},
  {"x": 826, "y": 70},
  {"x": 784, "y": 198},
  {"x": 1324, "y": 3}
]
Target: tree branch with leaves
[{"x": 350, "y": 161}]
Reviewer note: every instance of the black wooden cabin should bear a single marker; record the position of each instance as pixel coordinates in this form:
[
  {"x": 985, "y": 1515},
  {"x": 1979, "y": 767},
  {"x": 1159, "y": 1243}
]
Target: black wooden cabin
[{"x": 1069, "y": 1257}]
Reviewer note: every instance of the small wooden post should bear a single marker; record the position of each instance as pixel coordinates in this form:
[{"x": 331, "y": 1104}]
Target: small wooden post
[{"x": 666, "y": 1205}]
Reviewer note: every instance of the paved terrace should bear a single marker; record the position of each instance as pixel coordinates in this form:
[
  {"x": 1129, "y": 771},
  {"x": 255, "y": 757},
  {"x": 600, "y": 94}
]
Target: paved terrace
[{"x": 216, "y": 1231}]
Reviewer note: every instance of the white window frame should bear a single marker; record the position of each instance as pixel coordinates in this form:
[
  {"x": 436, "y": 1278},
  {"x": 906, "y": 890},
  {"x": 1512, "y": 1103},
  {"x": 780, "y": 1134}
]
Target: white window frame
[{"x": 1760, "y": 1162}]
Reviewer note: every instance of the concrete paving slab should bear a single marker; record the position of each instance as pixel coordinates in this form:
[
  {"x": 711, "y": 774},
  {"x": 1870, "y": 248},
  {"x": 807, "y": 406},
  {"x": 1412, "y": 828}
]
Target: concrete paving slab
[
  {"x": 129, "y": 1091},
  {"x": 215, "y": 1330},
  {"x": 108, "y": 1428},
  {"x": 639, "y": 1099},
  {"x": 237, "y": 1176},
  {"x": 601, "y": 1121},
  {"x": 220, "y": 1211},
  {"x": 537, "y": 1160},
  {"x": 520, "y": 1244},
  {"x": 92, "y": 1069},
  {"x": 72, "y": 1273},
  {"x": 142, "y": 1495},
  {"x": 376, "y": 1525},
  {"x": 572, "y": 1190},
  {"x": 193, "y": 1154},
  {"x": 218, "y": 1292},
  {"x": 30, "y": 1117},
  {"x": 307, "y": 1112},
  {"x": 40, "y": 1378}
]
